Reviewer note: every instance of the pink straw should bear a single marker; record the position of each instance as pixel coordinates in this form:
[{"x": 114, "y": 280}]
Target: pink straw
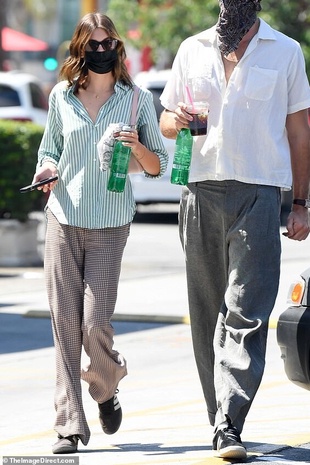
[{"x": 190, "y": 97}]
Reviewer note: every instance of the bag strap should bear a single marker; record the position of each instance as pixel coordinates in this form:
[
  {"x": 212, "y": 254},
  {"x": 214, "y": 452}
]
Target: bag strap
[
  {"x": 134, "y": 165},
  {"x": 133, "y": 118}
]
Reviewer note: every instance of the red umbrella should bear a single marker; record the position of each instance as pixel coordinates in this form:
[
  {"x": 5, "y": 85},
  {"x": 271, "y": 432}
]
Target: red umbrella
[{"x": 16, "y": 41}]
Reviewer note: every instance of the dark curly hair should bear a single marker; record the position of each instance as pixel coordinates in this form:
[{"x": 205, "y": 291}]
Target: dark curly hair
[{"x": 257, "y": 5}]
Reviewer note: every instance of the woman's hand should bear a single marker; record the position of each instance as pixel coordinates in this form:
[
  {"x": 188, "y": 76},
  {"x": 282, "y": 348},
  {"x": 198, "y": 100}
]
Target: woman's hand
[
  {"x": 47, "y": 170},
  {"x": 130, "y": 139},
  {"x": 148, "y": 160}
]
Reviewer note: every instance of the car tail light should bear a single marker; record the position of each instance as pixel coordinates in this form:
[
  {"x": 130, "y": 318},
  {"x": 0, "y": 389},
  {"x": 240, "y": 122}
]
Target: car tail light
[{"x": 296, "y": 292}]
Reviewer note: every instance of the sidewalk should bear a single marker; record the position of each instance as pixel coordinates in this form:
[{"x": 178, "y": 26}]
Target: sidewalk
[{"x": 165, "y": 419}]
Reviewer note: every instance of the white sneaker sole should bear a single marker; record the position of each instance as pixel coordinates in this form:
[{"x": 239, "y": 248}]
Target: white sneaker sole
[{"x": 232, "y": 452}]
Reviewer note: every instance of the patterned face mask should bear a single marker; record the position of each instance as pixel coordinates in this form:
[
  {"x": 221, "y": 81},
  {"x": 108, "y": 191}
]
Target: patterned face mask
[{"x": 235, "y": 20}]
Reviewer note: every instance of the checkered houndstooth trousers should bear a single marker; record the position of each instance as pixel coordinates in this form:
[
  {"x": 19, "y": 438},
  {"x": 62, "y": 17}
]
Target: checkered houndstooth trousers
[{"x": 82, "y": 269}]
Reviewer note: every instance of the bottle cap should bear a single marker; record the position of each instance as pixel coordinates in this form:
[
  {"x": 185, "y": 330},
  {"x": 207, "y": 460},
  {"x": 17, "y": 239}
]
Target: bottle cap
[{"x": 128, "y": 128}]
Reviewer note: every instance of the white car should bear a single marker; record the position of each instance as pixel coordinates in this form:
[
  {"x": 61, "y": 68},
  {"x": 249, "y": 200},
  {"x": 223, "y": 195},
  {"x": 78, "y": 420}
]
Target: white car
[
  {"x": 22, "y": 98},
  {"x": 148, "y": 190}
]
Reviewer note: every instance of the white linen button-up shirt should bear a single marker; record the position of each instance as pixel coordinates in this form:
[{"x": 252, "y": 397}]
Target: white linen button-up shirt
[{"x": 246, "y": 139}]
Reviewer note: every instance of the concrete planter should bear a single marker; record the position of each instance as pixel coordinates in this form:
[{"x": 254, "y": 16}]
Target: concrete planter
[{"x": 21, "y": 244}]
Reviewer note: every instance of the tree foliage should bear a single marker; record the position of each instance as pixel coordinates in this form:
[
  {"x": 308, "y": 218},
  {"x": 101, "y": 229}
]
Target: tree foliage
[
  {"x": 163, "y": 24},
  {"x": 292, "y": 17},
  {"x": 19, "y": 143}
]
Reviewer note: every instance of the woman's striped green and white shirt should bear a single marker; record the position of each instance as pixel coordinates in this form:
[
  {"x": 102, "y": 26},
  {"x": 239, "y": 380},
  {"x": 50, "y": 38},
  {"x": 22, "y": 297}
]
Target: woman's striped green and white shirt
[{"x": 70, "y": 139}]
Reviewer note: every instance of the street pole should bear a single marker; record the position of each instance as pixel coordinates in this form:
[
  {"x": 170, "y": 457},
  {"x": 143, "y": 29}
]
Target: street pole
[
  {"x": 88, "y": 6},
  {"x": 3, "y": 54}
]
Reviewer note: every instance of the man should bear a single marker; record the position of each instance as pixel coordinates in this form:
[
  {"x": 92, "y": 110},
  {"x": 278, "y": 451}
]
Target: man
[{"x": 254, "y": 81}]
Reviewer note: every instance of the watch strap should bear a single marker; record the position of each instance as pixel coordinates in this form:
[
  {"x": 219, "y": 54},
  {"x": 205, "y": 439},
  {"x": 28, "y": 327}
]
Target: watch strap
[{"x": 303, "y": 202}]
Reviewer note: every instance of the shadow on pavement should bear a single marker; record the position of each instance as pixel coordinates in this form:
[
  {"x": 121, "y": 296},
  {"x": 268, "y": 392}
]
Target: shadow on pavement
[
  {"x": 150, "y": 449},
  {"x": 279, "y": 455},
  {"x": 156, "y": 217},
  {"x": 18, "y": 334}
]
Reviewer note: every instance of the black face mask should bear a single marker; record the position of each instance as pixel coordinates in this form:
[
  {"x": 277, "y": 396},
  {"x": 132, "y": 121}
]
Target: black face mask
[{"x": 101, "y": 62}]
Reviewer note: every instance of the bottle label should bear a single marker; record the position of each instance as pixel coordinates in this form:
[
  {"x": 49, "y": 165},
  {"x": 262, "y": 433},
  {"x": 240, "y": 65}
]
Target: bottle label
[
  {"x": 120, "y": 175},
  {"x": 180, "y": 167}
]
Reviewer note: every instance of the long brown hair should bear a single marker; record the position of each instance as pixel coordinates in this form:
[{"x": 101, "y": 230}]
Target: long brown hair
[{"x": 74, "y": 66}]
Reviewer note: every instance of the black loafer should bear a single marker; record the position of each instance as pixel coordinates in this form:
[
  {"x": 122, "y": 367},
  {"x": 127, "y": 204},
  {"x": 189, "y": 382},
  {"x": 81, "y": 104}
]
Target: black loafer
[
  {"x": 110, "y": 415},
  {"x": 67, "y": 445}
]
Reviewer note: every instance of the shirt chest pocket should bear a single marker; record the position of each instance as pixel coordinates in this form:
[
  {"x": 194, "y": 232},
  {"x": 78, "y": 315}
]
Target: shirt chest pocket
[{"x": 260, "y": 83}]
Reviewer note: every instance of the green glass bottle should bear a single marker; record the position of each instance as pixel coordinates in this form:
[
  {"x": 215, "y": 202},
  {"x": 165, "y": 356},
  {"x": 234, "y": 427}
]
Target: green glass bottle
[
  {"x": 182, "y": 157},
  {"x": 119, "y": 165}
]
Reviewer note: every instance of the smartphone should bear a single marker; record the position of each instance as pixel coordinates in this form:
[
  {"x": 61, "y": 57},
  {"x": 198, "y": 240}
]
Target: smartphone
[{"x": 32, "y": 187}]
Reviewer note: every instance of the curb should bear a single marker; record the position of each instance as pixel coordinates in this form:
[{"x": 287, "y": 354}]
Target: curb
[
  {"x": 165, "y": 319},
  {"x": 130, "y": 317}
]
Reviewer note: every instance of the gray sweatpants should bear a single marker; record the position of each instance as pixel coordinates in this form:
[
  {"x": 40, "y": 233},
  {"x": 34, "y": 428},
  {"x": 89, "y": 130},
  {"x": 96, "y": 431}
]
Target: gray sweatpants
[
  {"x": 230, "y": 232},
  {"x": 82, "y": 268}
]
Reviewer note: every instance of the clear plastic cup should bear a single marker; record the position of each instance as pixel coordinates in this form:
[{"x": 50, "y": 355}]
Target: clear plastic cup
[{"x": 199, "y": 112}]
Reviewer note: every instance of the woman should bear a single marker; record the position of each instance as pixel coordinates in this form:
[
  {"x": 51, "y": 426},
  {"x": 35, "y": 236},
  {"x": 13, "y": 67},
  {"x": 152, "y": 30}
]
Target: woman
[{"x": 87, "y": 225}]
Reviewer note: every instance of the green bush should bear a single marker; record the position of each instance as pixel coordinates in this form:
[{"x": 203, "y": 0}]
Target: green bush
[{"x": 19, "y": 143}]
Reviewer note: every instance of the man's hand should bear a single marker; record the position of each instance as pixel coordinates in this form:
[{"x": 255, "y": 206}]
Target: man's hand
[
  {"x": 298, "y": 132},
  {"x": 298, "y": 226},
  {"x": 182, "y": 117},
  {"x": 171, "y": 122}
]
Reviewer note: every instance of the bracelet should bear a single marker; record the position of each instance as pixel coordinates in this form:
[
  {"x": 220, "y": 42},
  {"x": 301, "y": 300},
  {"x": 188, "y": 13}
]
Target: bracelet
[{"x": 140, "y": 157}]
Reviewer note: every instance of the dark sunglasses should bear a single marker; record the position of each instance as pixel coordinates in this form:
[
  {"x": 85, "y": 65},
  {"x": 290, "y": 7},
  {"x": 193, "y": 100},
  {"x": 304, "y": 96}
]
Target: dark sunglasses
[{"x": 106, "y": 44}]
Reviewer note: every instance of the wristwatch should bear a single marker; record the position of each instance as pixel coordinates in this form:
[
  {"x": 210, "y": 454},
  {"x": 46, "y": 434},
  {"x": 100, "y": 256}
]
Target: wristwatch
[{"x": 303, "y": 202}]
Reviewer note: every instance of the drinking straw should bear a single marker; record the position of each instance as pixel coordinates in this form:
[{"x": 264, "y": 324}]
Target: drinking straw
[{"x": 190, "y": 97}]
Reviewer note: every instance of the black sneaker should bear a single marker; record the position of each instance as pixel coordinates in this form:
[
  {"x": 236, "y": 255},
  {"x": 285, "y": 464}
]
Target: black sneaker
[
  {"x": 110, "y": 415},
  {"x": 66, "y": 445},
  {"x": 227, "y": 443}
]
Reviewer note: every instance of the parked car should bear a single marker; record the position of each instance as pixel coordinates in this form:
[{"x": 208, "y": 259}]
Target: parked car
[
  {"x": 148, "y": 190},
  {"x": 22, "y": 98},
  {"x": 293, "y": 331}
]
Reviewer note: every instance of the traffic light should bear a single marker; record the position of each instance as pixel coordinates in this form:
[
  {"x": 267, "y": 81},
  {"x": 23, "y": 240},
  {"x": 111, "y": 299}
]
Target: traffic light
[{"x": 50, "y": 64}]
